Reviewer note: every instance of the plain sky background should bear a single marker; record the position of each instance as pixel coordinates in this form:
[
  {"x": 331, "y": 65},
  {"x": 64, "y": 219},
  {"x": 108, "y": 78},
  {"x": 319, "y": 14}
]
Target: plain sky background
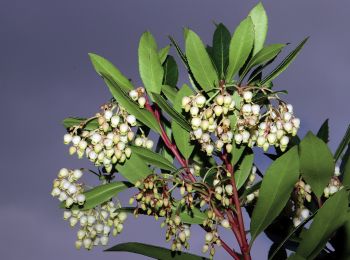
[{"x": 45, "y": 76}]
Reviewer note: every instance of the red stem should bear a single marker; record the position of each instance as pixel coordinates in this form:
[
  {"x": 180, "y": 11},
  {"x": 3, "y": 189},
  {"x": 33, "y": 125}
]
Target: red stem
[
  {"x": 245, "y": 246},
  {"x": 229, "y": 250}
]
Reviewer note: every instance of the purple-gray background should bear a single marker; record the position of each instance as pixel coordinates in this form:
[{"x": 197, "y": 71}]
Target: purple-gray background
[{"x": 45, "y": 75}]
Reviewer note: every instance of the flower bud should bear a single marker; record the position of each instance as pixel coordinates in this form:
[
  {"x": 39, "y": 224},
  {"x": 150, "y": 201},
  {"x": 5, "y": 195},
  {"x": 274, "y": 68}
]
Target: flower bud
[
  {"x": 76, "y": 139},
  {"x": 142, "y": 102},
  {"x": 200, "y": 100},
  {"x": 209, "y": 149},
  {"x": 81, "y": 199},
  {"x": 246, "y": 109},
  {"x": 238, "y": 138},
  {"x": 185, "y": 101},
  {"x": 87, "y": 243},
  {"x": 229, "y": 189},
  {"x": 247, "y": 96},
  {"x": 255, "y": 109},
  {"x": 336, "y": 171},
  {"x": 287, "y": 116},
  {"x": 208, "y": 237},
  {"x": 284, "y": 141},
  {"x": 271, "y": 138},
  {"x": 133, "y": 95},
  {"x": 304, "y": 213},
  {"x": 225, "y": 223},
  {"x": 218, "y": 110},
  {"x": 149, "y": 144},
  {"x": 229, "y": 148},
  {"x": 67, "y": 138},
  {"x": 196, "y": 122},
  {"x": 227, "y": 100},
  {"x": 219, "y": 100},
  {"x": 296, "y": 122},
  {"x": 131, "y": 119},
  {"x": 296, "y": 222}
]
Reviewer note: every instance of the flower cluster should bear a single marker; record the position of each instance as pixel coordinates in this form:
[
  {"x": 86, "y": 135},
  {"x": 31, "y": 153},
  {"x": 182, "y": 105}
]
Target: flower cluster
[
  {"x": 334, "y": 184},
  {"x": 250, "y": 197},
  {"x": 138, "y": 96},
  {"x": 109, "y": 143},
  {"x": 96, "y": 224},
  {"x": 211, "y": 125},
  {"x": 222, "y": 187},
  {"x": 302, "y": 193},
  {"x": 66, "y": 188},
  {"x": 178, "y": 232},
  {"x": 271, "y": 128},
  {"x": 212, "y": 236}
]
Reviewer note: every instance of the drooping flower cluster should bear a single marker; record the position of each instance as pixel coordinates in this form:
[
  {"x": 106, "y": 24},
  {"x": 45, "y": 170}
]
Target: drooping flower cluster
[
  {"x": 250, "y": 197},
  {"x": 96, "y": 225},
  {"x": 210, "y": 122},
  {"x": 302, "y": 193},
  {"x": 66, "y": 189},
  {"x": 334, "y": 184},
  {"x": 109, "y": 143},
  {"x": 272, "y": 128},
  {"x": 217, "y": 122}
]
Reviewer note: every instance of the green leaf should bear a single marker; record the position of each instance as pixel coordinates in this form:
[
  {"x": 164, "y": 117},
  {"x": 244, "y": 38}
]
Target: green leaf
[
  {"x": 155, "y": 252},
  {"x": 345, "y": 168},
  {"x": 240, "y": 46},
  {"x": 103, "y": 66},
  {"x": 134, "y": 169},
  {"x": 284, "y": 64},
  {"x": 103, "y": 193},
  {"x": 171, "y": 73},
  {"x": 161, "y": 102},
  {"x": 220, "y": 49},
  {"x": 323, "y": 132},
  {"x": 125, "y": 101},
  {"x": 153, "y": 158},
  {"x": 76, "y": 121},
  {"x": 344, "y": 142},
  {"x": 200, "y": 62},
  {"x": 236, "y": 153},
  {"x": 296, "y": 257},
  {"x": 169, "y": 92},
  {"x": 265, "y": 55},
  {"x": 329, "y": 218},
  {"x": 280, "y": 254},
  {"x": 316, "y": 163},
  {"x": 260, "y": 22},
  {"x": 163, "y": 53},
  {"x": 244, "y": 170},
  {"x": 276, "y": 187},
  {"x": 182, "y": 136},
  {"x": 150, "y": 67}
]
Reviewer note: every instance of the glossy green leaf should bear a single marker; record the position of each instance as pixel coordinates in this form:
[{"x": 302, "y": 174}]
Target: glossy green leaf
[
  {"x": 236, "y": 153},
  {"x": 125, "y": 101},
  {"x": 153, "y": 158},
  {"x": 220, "y": 49},
  {"x": 161, "y": 102},
  {"x": 200, "y": 62},
  {"x": 163, "y": 53},
  {"x": 284, "y": 64},
  {"x": 103, "y": 193},
  {"x": 182, "y": 136},
  {"x": 244, "y": 170},
  {"x": 296, "y": 257},
  {"x": 265, "y": 55},
  {"x": 345, "y": 167},
  {"x": 240, "y": 47},
  {"x": 155, "y": 252},
  {"x": 323, "y": 132},
  {"x": 171, "y": 73},
  {"x": 103, "y": 66},
  {"x": 150, "y": 67},
  {"x": 169, "y": 92},
  {"x": 330, "y": 217},
  {"x": 342, "y": 145},
  {"x": 260, "y": 21},
  {"x": 275, "y": 190},
  {"x": 280, "y": 254},
  {"x": 316, "y": 163},
  {"x": 75, "y": 121},
  {"x": 134, "y": 169}
]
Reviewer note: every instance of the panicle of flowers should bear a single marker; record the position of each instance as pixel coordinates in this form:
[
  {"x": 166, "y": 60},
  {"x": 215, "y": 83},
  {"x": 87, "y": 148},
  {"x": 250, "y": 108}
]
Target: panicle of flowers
[
  {"x": 109, "y": 143},
  {"x": 271, "y": 128},
  {"x": 334, "y": 184},
  {"x": 250, "y": 197},
  {"x": 96, "y": 225},
  {"x": 210, "y": 122},
  {"x": 66, "y": 188}
]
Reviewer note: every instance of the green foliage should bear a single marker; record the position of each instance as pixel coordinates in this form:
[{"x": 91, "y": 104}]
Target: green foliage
[
  {"x": 221, "y": 44},
  {"x": 275, "y": 191},
  {"x": 316, "y": 163},
  {"x": 181, "y": 135},
  {"x": 328, "y": 219},
  {"x": 342, "y": 145},
  {"x": 153, "y": 158},
  {"x": 260, "y": 21},
  {"x": 163, "y": 54},
  {"x": 141, "y": 114},
  {"x": 323, "y": 132},
  {"x": 200, "y": 62},
  {"x": 155, "y": 252},
  {"x": 134, "y": 169},
  {"x": 103, "y": 193},
  {"x": 345, "y": 167},
  {"x": 284, "y": 64},
  {"x": 171, "y": 73},
  {"x": 76, "y": 121},
  {"x": 240, "y": 47},
  {"x": 150, "y": 67},
  {"x": 104, "y": 67},
  {"x": 244, "y": 170}
]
